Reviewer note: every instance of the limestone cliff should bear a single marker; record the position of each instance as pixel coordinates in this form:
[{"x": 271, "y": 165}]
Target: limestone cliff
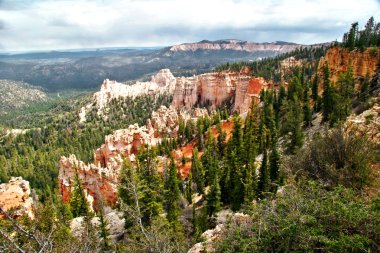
[
  {"x": 236, "y": 45},
  {"x": 162, "y": 82},
  {"x": 217, "y": 88},
  {"x": 15, "y": 195},
  {"x": 361, "y": 63}
]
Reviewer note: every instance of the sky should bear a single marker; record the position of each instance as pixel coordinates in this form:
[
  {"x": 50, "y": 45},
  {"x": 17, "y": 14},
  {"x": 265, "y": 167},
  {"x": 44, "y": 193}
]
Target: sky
[{"x": 28, "y": 25}]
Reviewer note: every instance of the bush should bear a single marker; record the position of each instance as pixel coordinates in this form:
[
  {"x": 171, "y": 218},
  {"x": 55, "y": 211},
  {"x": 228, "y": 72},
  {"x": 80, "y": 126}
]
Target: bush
[
  {"x": 308, "y": 219},
  {"x": 336, "y": 158}
]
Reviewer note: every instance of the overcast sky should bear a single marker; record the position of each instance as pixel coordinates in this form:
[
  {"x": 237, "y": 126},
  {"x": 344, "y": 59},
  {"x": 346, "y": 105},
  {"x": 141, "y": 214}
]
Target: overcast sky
[{"x": 63, "y": 24}]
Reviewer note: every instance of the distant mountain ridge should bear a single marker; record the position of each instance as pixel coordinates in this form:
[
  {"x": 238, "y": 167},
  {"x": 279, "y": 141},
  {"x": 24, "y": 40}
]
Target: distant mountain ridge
[
  {"x": 237, "y": 45},
  {"x": 84, "y": 70}
]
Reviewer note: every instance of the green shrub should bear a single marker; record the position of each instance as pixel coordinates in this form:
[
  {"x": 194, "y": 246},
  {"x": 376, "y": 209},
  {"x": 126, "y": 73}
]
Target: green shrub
[
  {"x": 308, "y": 219},
  {"x": 336, "y": 158}
]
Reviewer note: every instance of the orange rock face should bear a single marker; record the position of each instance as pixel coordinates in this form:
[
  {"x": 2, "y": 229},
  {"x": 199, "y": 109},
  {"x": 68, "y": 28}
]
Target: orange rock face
[
  {"x": 340, "y": 59},
  {"x": 15, "y": 195},
  {"x": 217, "y": 88}
]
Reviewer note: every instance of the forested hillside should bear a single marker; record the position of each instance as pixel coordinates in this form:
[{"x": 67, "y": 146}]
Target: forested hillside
[{"x": 288, "y": 175}]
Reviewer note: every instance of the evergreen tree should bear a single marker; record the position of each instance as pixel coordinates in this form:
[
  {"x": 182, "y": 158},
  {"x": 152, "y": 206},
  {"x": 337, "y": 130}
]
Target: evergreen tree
[
  {"x": 343, "y": 97},
  {"x": 352, "y": 36},
  {"x": 189, "y": 188},
  {"x": 213, "y": 197},
  {"x": 78, "y": 202},
  {"x": 103, "y": 229},
  {"x": 197, "y": 172},
  {"x": 328, "y": 103},
  {"x": 292, "y": 124},
  {"x": 364, "y": 90},
  {"x": 172, "y": 194},
  {"x": 221, "y": 141},
  {"x": 149, "y": 185},
  {"x": 274, "y": 164}
]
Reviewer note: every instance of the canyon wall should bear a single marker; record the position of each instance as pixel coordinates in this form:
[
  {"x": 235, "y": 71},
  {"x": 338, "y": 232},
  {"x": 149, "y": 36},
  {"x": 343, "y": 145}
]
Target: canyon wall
[
  {"x": 216, "y": 88},
  {"x": 340, "y": 59}
]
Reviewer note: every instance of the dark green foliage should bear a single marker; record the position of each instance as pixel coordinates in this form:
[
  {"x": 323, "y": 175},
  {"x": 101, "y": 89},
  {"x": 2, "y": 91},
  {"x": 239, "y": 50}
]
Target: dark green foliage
[
  {"x": 368, "y": 37},
  {"x": 172, "y": 194},
  {"x": 198, "y": 172},
  {"x": 328, "y": 96},
  {"x": 335, "y": 158},
  {"x": 78, "y": 202},
  {"x": 292, "y": 124},
  {"x": 149, "y": 184},
  {"x": 307, "y": 219},
  {"x": 103, "y": 231},
  {"x": 365, "y": 90},
  {"x": 345, "y": 93},
  {"x": 274, "y": 165},
  {"x": 213, "y": 197},
  {"x": 189, "y": 188}
]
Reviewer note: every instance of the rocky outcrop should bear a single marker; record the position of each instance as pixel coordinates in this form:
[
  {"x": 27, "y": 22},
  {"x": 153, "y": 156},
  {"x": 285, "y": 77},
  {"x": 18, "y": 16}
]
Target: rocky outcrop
[
  {"x": 97, "y": 181},
  {"x": 247, "y": 92},
  {"x": 115, "y": 225},
  {"x": 366, "y": 124},
  {"x": 100, "y": 178},
  {"x": 15, "y": 196},
  {"x": 211, "y": 236},
  {"x": 162, "y": 82},
  {"x": 340, "y": 59},
  {"x": 217, "y": 88},
  {"x": 236, "y": 45}
]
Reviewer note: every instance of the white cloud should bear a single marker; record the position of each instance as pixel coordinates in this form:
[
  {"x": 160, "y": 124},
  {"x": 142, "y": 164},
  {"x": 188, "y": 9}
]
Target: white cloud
[{"x": 53, "y": 24}]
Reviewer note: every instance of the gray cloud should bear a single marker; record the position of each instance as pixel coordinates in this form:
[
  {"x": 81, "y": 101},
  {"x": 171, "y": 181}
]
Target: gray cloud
[{"x": 55, "y": 24}]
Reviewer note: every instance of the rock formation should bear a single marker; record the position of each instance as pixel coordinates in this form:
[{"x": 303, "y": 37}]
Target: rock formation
[
  {"x": 211, "y": 236},
  {"x": 236, "y": 45},
  {"x": 212, "y": 89},
  {"x": 366, "y": 124},
  {"x": 100, "y": 178},
  {"x": 217, "y": 88},
  {"x": 15, "y": 195},
  {"x": 162, "y": 82},
  {"x": 340, "y": 59},
  {"x": 115, "y": 225}
]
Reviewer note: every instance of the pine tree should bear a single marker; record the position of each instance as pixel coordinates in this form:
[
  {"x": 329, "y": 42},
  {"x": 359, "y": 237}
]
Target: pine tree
[
  {"x": 209, "y": 158},
  {"x": 189, "y": 187},
  {"x": 78, "y": 202},
  {"x": 364, "y": 90},
  {"x": 343, "y": 97},
  {"x": 221, "y": 141},
  {"x": 197, "y": 171},
  {"x": 328, "y": 103},
  {"x": 213, "y": 197},
  {"x": 149, "y": 185},
  {"x": 172, "y": 194},
  {"x": 352, "y": 36},
  {"x": 274, "y": 164}
]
